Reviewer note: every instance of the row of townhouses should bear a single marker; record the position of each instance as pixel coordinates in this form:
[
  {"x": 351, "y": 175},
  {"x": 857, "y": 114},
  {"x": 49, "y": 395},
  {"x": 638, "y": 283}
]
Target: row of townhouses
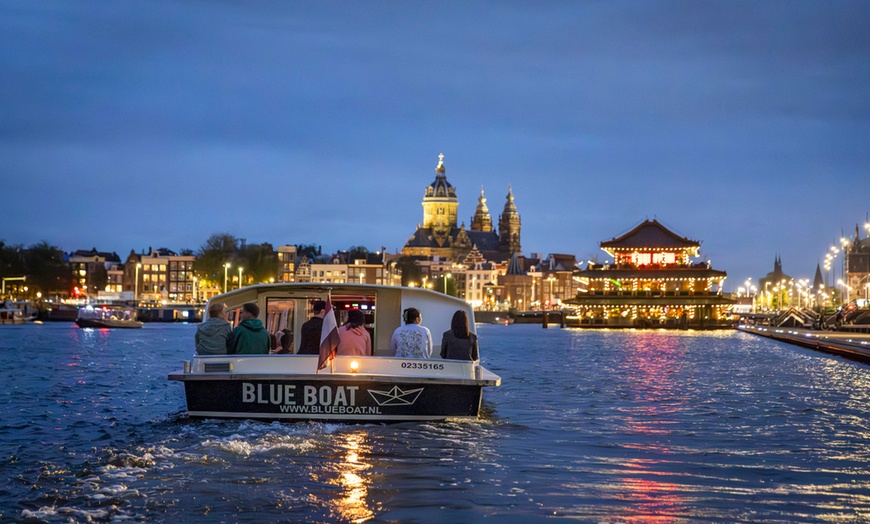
[{"x": 161, "y": 275}]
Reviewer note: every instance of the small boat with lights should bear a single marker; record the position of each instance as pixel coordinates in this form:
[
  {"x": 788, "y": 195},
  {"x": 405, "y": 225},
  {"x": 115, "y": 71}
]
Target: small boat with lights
[
  {"x": 107, "y": 316},
  {"x": 377, "y": 388}
]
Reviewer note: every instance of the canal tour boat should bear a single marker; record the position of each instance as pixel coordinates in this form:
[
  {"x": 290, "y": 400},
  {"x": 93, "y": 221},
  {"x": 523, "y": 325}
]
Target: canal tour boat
[
  {"x": 378, "y": 388},
  {"x": 107, "y": 317}
]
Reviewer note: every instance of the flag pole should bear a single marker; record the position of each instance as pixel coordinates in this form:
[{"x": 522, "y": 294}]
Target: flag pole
[
  {"x": 331, "y": 312},
  {"x": 329, "y": 337}
]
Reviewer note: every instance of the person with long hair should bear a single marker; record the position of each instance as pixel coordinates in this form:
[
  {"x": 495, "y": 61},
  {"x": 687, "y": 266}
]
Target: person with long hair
[
  {"x": 355, "y": 338},
  {"x": 412, "y": 340},
  {"x": 459, "y": 343}
]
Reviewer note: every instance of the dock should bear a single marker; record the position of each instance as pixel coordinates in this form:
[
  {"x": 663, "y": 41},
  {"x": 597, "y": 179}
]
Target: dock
[{"x": 854, "y": 344}]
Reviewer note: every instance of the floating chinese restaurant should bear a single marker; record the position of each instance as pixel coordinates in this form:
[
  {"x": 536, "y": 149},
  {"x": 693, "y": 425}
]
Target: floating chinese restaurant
[{"x": 652, "y": 282}]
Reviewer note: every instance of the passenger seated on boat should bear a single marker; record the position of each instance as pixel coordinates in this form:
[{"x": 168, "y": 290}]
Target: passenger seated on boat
[
  {"x": 250, "y": 337},
  {"x": 412, "y": 340},
  {"x": 355, "y": 339},
  {"x": 286, "y": 346},
  {"x": 212, "y": 336},
  {"x": 459, "y": 343}
]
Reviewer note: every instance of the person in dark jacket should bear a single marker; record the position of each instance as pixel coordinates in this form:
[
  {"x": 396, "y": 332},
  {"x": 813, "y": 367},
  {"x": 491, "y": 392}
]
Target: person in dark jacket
[
  {"x": 459, "y": 343},
  {"x": 310, "y": 331},
  {"x": 250, "y": 337}
]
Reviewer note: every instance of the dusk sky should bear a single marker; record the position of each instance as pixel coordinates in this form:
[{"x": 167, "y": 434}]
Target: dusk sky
[{"x": 744, "y": 125}]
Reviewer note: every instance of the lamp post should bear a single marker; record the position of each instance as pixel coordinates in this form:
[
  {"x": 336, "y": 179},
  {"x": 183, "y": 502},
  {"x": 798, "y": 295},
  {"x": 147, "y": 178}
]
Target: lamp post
[
  {"x": 136, "y": 284},
  {"x": 240, "y": 276},
  {"x": 844, "y": 245},
  {"x": 362, "y": 276},
  {"x": 226, "y": 267},
  {"x": 194, "y": 290},
  {"x": 448, "y": 275}
]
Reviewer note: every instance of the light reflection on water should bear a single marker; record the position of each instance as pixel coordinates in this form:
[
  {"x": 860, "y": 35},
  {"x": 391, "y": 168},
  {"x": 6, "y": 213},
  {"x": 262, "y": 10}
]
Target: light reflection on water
[{"x": 597, "y": 426}]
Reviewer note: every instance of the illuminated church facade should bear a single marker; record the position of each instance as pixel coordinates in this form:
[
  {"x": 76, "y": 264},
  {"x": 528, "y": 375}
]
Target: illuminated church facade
[{"x": 439, "y": 235}]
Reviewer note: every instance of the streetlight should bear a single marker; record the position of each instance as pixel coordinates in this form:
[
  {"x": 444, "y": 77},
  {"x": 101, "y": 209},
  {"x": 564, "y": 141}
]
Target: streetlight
[
  {"x": 136, "y": 285},
  {"x": 362, "y": 276},
  {"x": 448, "y": 275},
  {"x": 240, "y": 277},
  {"x": 226, "y": 267}
]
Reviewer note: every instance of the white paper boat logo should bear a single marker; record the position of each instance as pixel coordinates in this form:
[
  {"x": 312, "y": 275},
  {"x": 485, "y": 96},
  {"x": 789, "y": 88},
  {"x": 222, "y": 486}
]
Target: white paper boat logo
[{"x": 395, "y": 396}]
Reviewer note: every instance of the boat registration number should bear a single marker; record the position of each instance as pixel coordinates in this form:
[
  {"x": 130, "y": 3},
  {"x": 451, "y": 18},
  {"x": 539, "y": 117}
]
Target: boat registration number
[{"x": 421, "y": 365}]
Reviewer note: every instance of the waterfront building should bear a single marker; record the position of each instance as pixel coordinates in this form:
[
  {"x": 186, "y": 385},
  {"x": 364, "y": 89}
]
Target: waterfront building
[
  {"x": 95, "y": 273},
  {"x": 440, "y": 233},
  {"x": 857, "y": 261},
  {"x": 160, "y": 275},
  {"x": 515, "y": 286},
  {"x": 329, "y": 269},
  {"x": 303, "y": 270},
  {"x": 557, "y": 281},
  {"x": 368, "y": 270},
  {"x": 286, "y": 263},
  {"x": 479, "y": 280},
  {"x": 652, "y": 281}
]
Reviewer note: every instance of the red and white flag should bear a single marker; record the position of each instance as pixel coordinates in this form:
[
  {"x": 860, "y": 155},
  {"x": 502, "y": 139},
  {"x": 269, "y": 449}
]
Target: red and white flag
[{"x": 329, "y": 338}]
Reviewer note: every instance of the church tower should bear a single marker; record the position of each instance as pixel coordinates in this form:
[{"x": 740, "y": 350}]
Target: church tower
[
  {"x": 440, "y": 205},
  {"x": 481, "y": 220},
  {"x": 509, "y": 226}
]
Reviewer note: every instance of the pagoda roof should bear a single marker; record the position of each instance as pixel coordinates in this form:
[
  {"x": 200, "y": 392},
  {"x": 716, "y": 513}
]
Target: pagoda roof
[{"x": 649, "y": 234}]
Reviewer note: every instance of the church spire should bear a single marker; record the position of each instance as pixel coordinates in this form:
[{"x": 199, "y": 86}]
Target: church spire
[
  {"x": 509, "y": 226},
  {"x": 818, "y": 281},
  {"x": 440, "y": 205},
  {"x": 481, "y": 221}
]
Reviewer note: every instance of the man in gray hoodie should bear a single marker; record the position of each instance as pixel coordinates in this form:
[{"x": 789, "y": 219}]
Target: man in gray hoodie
[{"x": 212, "y": 336}]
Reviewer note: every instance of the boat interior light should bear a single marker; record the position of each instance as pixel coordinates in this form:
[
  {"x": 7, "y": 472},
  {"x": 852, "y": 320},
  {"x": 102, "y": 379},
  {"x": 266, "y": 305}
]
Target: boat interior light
[{"x": 354, "y": 366}]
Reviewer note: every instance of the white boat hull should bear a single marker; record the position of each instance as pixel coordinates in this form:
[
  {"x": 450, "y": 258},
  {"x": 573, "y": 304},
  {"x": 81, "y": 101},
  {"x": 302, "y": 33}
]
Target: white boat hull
[{"x": 285, "y": 387}]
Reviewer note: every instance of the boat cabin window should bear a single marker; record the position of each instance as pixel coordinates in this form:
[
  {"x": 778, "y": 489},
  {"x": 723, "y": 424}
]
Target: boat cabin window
[
  {"x": 286, "y": 314},
  {"x": 343, "y": 304},
  {"x": 279, "y": 320}
]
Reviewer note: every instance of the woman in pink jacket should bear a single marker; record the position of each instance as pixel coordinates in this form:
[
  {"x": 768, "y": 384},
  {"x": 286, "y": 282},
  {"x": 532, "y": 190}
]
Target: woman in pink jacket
[{"x": 355, "y": 339}]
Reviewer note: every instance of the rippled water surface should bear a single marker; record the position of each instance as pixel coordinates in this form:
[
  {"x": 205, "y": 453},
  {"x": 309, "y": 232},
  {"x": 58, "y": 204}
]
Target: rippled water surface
[{"x": 595, "y": 426}]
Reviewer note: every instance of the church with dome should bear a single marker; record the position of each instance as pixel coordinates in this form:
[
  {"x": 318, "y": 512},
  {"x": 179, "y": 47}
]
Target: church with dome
[{"x": 439, "y": 235}]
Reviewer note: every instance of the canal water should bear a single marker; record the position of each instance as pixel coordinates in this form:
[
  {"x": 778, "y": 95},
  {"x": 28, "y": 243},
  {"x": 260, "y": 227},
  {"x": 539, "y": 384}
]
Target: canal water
[{"x": 594, "y": 426}]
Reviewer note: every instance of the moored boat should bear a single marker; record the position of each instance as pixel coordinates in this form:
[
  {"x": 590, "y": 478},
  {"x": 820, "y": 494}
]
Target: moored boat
[
  {"x": 378, "y": 388},
  {"x": 16, "y": 312},
  {"x": 107, "y": 317}
]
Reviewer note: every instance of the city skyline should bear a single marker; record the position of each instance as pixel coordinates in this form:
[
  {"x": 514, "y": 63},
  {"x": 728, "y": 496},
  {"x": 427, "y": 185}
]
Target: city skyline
[{"x": 157, "y": 124}]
